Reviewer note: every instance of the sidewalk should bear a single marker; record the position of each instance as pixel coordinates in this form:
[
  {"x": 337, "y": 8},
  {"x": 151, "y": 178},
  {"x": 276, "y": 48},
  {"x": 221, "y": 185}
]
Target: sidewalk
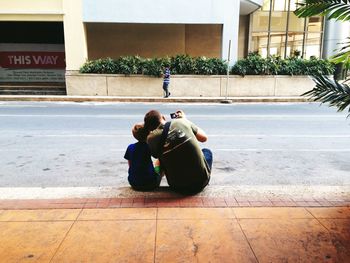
[
  {"x": 171, "y": 230},
  {"x": 149, "y": 99}
]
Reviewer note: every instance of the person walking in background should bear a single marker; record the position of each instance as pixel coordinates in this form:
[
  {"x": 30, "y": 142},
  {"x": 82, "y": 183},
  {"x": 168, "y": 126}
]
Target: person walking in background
[
  {"x": 143, "y": 176},
  {"x": 166, "y": 81}
]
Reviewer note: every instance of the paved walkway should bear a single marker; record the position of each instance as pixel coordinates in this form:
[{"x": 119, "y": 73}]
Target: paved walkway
[
  {"x": 177, "y": 230},
  {"x": 150, "y": 99}
]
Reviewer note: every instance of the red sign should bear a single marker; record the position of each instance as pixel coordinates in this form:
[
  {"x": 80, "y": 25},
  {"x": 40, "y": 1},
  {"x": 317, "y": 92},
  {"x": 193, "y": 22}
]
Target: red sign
[{"x": 32, "y": 60}]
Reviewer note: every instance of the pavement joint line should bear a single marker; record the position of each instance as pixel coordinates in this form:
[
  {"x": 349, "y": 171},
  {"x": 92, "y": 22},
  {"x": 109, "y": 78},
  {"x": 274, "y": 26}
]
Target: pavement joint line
[
  {"x": 318, "y": 220},
  {"x": 65, "y": 236},
  {"x": 247, "y": 240}
]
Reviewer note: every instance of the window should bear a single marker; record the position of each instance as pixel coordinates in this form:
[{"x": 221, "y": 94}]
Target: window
[{"x": 277, "y": 31}]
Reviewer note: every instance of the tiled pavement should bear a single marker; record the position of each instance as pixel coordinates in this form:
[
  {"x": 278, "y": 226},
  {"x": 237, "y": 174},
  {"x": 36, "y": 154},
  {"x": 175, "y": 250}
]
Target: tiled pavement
[
  {"x": 173, "y": 230},
  {"x": 289, "y": 234}
]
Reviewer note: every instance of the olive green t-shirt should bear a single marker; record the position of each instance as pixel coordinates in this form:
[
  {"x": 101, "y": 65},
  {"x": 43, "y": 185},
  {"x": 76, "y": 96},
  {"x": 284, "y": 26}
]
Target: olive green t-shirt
[{"x": 182, "y": 158}]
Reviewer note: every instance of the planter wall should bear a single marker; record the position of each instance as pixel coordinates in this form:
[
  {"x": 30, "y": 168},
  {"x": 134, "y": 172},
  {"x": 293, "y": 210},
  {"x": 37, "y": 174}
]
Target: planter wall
[{"x": 186, "y": 85}]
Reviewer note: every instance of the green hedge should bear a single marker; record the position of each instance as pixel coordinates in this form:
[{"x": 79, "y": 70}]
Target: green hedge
[
  {"x": 254, "y": 64},
  {"x": 181, "y": 64}
]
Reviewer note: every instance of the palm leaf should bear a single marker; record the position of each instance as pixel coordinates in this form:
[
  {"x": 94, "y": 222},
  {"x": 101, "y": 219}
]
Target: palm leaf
[
  {"x": 335, "y": 9},
  {"x": 330, "y": 91}
]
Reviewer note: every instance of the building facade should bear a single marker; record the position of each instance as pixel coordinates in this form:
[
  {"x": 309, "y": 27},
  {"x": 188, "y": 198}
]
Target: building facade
[{"x": 55, "y": 36}]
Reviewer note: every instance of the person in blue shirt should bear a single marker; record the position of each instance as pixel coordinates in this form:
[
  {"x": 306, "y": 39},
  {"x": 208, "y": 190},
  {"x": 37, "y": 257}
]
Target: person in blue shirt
[
  {"x": 142, "y": 173},
  {"x": 166, "y": 81}
]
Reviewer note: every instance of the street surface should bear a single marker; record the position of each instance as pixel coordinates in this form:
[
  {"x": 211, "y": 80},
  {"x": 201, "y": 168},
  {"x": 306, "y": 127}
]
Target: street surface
[{"x": 301, "y": 148}]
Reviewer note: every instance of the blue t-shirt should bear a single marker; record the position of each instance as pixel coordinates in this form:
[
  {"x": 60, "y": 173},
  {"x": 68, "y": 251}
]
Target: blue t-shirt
[{"x": 141, "y": 170}]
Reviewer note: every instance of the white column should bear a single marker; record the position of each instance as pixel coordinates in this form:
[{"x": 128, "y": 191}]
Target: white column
[
  {"x": 74, "y": 34},
  {"x": 335, "y": 32},
  {"x": 230, "y": 32}
]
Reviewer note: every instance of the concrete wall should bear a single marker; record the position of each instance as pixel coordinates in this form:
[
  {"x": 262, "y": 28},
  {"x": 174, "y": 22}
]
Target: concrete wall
[
  {"x": 223, "y": 12},
  {"x": 152, "y": 40},
  {"x": 186, "y": 85},
  {"x": 24, "y": 10}
]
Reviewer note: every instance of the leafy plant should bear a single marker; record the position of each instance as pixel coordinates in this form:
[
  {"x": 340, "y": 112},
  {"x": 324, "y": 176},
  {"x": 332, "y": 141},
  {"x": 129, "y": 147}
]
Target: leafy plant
[
  {"x": 182, "y": 64},
  {"x": 326, "y": 90},
  {"x": 330, "y": 91},
  {"x": 209, "y": 66},
  {"x": 254, "y": 64},
  {"x": 101, "y": 66},
  {"x": 129, "y": 65},
  {"x": 154, "y": 67}
]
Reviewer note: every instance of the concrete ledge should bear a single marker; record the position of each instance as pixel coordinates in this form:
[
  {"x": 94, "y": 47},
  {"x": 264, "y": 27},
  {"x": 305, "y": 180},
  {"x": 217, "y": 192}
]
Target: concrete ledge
[
  {"x": 150, "y": 99},
  {"x": 186, "y": 85}
]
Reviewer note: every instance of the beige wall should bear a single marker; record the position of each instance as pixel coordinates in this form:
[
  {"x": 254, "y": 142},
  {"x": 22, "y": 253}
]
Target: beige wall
[
  {"x": 74, "y": 34},
  {"x": 243, "y": 36},
  {"x": 24, "y": 10},
  {"x": 204, "y": 40},
  {"x": 152, "y": 40}
]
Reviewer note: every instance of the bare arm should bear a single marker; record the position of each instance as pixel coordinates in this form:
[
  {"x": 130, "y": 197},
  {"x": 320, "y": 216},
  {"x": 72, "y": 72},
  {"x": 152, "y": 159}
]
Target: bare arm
[{"x": 201, "y": 135}]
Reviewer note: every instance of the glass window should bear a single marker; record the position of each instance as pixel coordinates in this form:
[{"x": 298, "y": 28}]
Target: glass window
[
  {"x": 315, "y": 24},
  {"x": 279, "y": 21},
  {"x": 278, "y": 26},
  {"x": 261, "y": 21},
  {"x": 294, "y": 4},
  {"x": 277, "y": 43},
  {"x": 280, "y": 5},
  {"x": 295, "y": 43},
  {"x": 259, "y": 43},
  {"x": 313, "y": 45},
  {"x": 266, "y": 5},
  {"x": 295, "y": 23}
]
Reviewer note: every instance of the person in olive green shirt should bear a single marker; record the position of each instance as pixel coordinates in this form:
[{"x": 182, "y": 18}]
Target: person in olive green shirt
[{"x": 187, "y": 167}]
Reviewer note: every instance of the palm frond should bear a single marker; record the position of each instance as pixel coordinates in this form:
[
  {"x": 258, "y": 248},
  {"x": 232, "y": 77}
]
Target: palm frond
[
  {"x": 330, "y": 91},
  {"x": 335, "y": 9},
  {"x": 343, "y": 54}
]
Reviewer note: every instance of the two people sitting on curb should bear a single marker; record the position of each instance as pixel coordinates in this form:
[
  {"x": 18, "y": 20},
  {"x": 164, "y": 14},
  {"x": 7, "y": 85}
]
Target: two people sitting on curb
[{"x": 175, "y": 144}]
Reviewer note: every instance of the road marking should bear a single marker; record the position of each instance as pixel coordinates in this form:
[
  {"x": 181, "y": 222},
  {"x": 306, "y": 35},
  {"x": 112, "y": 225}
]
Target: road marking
[
  {"x": 22, "y": 106},
  {"x": 224, "y": 150},
  {"x": 280, "y": 150},
  {"x": 264, "y": 150},
  {"x": 190, "y": 116},
  {"x": 209, "y": 135}
]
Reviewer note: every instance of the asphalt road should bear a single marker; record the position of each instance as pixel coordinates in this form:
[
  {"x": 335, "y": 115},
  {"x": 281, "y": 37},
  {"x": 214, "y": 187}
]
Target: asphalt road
[{"x": 256, "y": 146}]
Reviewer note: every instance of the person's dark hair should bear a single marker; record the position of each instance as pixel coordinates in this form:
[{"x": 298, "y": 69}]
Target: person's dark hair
[
  {"x": 139, "y": 132},
  {"x": 152, "y": 120}
]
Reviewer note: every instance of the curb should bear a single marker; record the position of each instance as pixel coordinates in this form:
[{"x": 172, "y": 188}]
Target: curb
[
  {"x": 204, "y": 202},
  {"x": 151, "y": 99}
]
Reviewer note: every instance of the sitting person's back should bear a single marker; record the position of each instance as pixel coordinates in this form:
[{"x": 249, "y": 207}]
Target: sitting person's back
[
  {"x": 142, "y": 175},
  {"x": 182, "y": 159}
]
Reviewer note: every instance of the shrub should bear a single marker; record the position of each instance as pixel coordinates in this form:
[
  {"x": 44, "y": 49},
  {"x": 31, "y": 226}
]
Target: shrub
[
  {"x": 129, "y": 65},
  {"x": 101, "y": 66},
  {"x": 254, "y": 64},
  {"x": 154, "y": 67},
  {"x": 182, "y": 64},
  {"x": 209, "y": 66}
]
